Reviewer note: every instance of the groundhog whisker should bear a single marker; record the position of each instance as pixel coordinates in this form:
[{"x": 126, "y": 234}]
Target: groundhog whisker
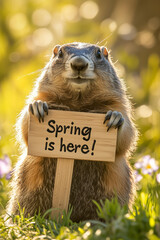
[{"x": 98, "y": 43}]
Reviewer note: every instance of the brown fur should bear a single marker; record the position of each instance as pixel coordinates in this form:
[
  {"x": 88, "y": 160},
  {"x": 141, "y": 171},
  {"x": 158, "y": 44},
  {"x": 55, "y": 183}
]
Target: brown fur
[{"x": 33, "y": 181}]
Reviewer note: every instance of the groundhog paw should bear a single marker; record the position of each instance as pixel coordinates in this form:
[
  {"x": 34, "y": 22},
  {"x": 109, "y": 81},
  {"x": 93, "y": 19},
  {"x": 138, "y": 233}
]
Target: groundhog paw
[
  {"x": 39, "y": 109},
  {"x": 115, "y": 119}
]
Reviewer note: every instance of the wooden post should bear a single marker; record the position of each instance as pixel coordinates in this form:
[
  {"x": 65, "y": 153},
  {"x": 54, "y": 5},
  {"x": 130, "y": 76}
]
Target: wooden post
[{"x": 62, "y": 186}]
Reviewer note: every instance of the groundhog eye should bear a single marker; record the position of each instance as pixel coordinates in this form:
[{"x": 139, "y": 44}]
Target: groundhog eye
[
  {"x": 98, "y": 54},
  {"x": 60, "y": 54}
]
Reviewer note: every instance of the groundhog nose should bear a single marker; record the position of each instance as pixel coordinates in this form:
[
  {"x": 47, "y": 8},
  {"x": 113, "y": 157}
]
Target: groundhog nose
[{"x": 79, "y": 63}]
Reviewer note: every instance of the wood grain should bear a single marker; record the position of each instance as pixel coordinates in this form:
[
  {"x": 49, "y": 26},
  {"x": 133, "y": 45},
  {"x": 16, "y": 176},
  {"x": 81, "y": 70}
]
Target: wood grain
[
  {"x": 62, "y": 186},
  {"x": 105, "y": 145}
]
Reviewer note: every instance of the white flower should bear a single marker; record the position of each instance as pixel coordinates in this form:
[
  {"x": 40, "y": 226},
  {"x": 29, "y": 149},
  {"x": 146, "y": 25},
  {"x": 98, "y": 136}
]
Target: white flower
[
  {"x": 158, "y": 177},
  {"x": 147, "y": 165},
  {"x": 138, "y": 165}
]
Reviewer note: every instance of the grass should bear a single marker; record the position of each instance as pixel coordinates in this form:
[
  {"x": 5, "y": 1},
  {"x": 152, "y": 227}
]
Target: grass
[{"x": 115, "y": 223}]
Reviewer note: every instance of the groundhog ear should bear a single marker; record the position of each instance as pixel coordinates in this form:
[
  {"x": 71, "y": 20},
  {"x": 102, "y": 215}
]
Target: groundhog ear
[
  {"x": 55, "y": 50},
  {"x": 105, "y": 52}
]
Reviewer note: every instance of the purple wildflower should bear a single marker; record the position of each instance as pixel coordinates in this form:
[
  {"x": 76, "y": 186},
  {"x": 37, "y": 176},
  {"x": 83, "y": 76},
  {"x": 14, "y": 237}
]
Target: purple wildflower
[
  {"x": 5, "y": 166},
  {"x": 9, "y": 175},
  {"x": 138, "y": 177}
]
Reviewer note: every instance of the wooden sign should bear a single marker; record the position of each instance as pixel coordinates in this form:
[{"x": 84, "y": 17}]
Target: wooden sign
[
  {"x": 75, "y": 135},
  {"x": 67, "y": 136}
]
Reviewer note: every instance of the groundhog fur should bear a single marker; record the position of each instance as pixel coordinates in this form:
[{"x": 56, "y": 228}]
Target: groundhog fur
[{"x": 79, "y": 77}]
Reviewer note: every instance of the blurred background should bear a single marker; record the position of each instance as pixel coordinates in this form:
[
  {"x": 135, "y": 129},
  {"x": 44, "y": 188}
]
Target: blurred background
[{"x": 130, "y": 29}]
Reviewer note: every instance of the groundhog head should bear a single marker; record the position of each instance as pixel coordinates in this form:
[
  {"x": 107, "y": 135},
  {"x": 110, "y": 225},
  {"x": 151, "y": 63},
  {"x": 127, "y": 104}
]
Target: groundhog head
[{"x": 81, "y": 67}]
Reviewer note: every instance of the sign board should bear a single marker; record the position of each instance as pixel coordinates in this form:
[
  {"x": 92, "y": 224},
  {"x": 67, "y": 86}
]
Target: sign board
[
  {"x": 76, "y": 135},
  {"x": 67, "y": 136}
]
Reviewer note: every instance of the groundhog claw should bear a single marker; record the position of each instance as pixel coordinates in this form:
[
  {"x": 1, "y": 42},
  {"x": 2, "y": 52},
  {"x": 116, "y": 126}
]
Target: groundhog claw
[
  {"x": 38, "y": 109},
  {"x": 45, "y": 107},
  {"x": 115, "y": 119},
  {"x": 108, "y": 115}
]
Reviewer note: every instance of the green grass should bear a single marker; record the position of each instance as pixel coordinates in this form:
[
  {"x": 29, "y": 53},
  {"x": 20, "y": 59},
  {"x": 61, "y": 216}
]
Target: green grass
[{"x": 115, "y": 223}]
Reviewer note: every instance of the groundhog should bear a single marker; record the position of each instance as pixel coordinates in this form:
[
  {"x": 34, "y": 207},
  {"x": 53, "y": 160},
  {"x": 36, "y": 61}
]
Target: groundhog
[{"x": 79, "y": 77}]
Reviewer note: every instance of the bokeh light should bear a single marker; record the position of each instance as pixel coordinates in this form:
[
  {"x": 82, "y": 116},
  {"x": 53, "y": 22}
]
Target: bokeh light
[
  {"x": 18, "y": 24},
  {"x": 42, "y": 37},
  {"x": 41, "y": 17},
  {"x": 89, "y": 10},
  {"x": 127, "y": 31},
  {"x": 144, "y": 111},
  {"x": 109, "y": 24},
  {"x": 70, "y": 12},
  {"x": 145, "y": 39}
]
